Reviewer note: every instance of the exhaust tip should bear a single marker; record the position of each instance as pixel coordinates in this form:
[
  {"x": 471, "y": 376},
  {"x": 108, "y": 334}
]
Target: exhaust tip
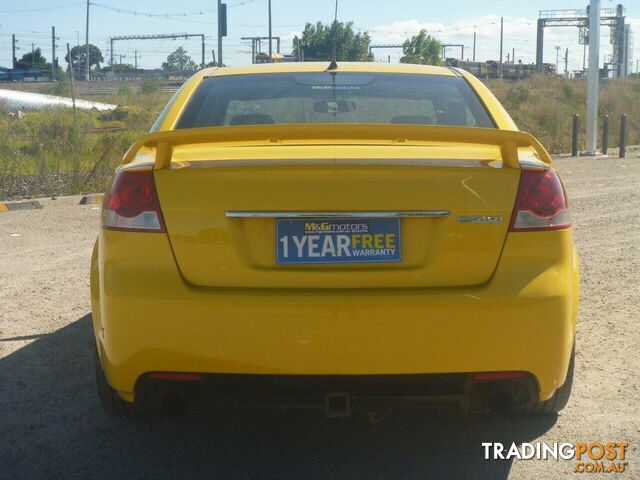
[
  {"x": 174, "y": 403},
  {"x": 500, "y": 402}
]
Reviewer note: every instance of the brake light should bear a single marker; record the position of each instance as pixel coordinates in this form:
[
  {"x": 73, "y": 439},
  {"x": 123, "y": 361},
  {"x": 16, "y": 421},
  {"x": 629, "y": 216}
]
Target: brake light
[
  {"x": 132, "y": 203},
  {"x": 541, "y": 203}
]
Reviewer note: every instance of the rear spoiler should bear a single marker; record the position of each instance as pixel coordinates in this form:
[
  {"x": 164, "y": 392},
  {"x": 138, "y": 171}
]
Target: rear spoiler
[{"x": 508, "y": 141}]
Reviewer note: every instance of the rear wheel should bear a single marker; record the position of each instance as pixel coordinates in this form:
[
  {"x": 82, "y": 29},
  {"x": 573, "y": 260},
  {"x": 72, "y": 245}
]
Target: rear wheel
[
  {"x": 560, "y": 397},
  {"x": 109, "y": 398}
]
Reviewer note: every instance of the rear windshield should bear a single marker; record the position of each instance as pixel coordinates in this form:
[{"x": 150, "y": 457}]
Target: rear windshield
[{"x": 291, "y": 98}]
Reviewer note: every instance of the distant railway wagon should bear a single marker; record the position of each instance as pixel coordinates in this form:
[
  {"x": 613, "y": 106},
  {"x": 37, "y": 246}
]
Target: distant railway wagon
[
  {"x": 264, "y": 58},
  {"x": 491, "y": 69},
  {"x": 275, "y": 58},
  {"x": 18, "y": 74}
]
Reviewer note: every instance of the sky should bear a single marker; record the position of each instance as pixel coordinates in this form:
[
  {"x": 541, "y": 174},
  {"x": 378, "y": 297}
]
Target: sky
[{"x": 389, "y": 21}]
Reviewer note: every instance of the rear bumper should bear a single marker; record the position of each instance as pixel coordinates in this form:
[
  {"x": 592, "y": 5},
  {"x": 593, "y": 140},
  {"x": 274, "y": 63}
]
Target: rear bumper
[
  {"x": 146, "y": 318},
  {"x": 336, "y": 395}
]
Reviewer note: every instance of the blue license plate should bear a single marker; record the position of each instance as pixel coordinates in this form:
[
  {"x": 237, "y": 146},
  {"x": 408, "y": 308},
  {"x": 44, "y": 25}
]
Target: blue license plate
[{"x": 352, "y": 240}]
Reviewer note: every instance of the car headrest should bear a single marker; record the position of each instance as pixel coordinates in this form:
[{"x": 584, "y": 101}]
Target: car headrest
[
  {"x": 413, "y": 119},
  {"x": 251, "y": 119}
]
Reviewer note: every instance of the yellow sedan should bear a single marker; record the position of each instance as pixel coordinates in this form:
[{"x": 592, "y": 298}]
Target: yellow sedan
[{"x": 357, "y": 237}]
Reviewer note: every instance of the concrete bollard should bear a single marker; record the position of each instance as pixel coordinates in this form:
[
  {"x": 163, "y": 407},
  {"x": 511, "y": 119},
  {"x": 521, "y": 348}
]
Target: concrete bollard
[
  {"x": 623, "y": 135},
  {"x": 574, "y": 135},
  {"x": 605, "y": 134}
]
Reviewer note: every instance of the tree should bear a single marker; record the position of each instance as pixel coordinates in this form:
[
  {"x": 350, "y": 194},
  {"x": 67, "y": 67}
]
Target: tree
[
  {"x": 33, "y": 60},
  {"x": 422, "y": 48},
  {"x": 317, "y": 43},
  {"x": 179, "y": 61},
  {"x": 79, "y": 57}
]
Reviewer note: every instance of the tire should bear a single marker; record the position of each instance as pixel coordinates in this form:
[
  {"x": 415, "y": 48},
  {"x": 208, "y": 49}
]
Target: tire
[
  {"x": 111, "y": 402},
  {"x": 560, "y": 398}
]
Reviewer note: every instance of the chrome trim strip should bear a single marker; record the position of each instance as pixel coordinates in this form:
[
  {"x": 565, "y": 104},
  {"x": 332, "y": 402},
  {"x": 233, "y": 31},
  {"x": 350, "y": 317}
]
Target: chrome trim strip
[
  {"x": 534, "y": 165},
  {"x": 136, "y": 165},
  {"x": 404, "y": 162},
  {"x": 363, "y": 214},
  {"x": 418, "y": 162},
  {"x": 249, "y": 163}
]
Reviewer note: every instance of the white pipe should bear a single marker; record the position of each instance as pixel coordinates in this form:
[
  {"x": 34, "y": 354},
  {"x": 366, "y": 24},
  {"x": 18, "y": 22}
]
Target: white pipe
[{"x": 13, "y": 100}]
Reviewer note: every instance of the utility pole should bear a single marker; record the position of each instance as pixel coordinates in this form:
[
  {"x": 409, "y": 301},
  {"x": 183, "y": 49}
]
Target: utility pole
[
  {"x": 513, "y": 55},
  {"x": 566, "y": 63},
  {"x": 53, "y": 54},
  {"x": 71, "y": 85},
  {"x": 557, "y": 58},
  {"x": 135, "y": 58},
  {"x": 474, "y": 46},
  {"x": 219, "y": 33},
  {"x": 86, "y": 74},
  {"x": 593, "y": 77},
  {"x": 204, "y": 60},
  {"x": 299, "y": 51},
  {"x": 13, "y": 50},
  {"x": 501, "y": 40},
  {"x": 33, "y": 54},
  {"x": 270, "y": 33}
]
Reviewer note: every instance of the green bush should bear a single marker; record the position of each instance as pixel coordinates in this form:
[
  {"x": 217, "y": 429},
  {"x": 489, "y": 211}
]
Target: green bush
[
  {"x": 125, "y": 94},
  {"x": 515, "y": 97},
  {"x": 151, "y": 85}
]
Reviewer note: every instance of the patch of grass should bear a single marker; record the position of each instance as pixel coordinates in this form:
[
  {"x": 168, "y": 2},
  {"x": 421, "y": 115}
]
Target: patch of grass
[
  {"x": 151, "y": 85},
  {"x": 545, "y": 106},
  {"x": 47, "y": 153}
]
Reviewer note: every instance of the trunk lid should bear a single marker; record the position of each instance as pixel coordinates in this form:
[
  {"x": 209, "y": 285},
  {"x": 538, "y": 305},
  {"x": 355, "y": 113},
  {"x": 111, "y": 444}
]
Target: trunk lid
[{"x": 212, "y": 249}]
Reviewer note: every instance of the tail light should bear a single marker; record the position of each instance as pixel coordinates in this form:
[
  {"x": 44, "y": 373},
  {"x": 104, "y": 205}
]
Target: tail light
[
  {"x": 541, "y": 203},
  {"x": 132, "y": 203}
]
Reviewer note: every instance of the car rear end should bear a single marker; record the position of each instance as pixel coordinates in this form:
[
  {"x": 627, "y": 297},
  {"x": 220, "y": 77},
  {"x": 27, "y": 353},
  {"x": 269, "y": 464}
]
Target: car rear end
[{"x": 326, "y": 256}]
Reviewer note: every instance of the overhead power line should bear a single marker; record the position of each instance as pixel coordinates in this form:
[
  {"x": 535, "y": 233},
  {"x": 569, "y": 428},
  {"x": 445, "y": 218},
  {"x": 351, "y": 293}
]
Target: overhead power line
[
  {"x": 174, "y": 15},
  {"x": 151, "y": 14},
  {"x": 441, "y": 30},
  {"x": 39, "y": 9},
  {"x": 240, "y": 3}
]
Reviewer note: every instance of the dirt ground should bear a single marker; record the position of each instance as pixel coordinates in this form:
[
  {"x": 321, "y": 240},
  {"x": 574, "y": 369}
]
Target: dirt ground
[{"x": 51, "y": 425}]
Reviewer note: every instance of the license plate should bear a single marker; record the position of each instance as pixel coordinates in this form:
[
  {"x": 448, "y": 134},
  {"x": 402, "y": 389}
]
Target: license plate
[{"x": 352, "y": 240}]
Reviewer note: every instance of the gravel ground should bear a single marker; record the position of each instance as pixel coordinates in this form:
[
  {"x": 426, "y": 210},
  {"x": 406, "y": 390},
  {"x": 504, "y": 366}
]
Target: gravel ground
[{"x": 52, "y": 426}]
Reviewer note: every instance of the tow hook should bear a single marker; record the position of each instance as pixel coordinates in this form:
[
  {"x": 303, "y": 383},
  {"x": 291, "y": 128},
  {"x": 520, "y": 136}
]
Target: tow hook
[{"x": 337, "y": 405}]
